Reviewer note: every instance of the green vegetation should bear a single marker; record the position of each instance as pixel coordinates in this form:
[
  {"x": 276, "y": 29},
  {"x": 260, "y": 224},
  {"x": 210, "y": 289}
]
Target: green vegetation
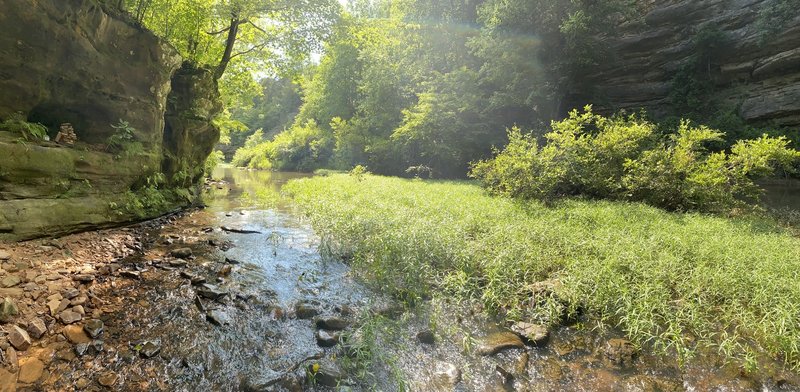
[
  {"x": 675, "y": 282},
  {"x": 625, "y": 158},
  {"x": 123, "y": 142},
  {"x": 29, "y": 131}
]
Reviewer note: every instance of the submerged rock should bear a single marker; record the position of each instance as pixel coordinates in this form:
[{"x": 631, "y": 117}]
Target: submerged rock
[
  {"x": 326, "y": 373},
  {"x": 218, "y": 318},
  {"x": 426, "y": 337},
  {"x": 620, "y": 352},
  {"x": 446, "y": 375},
  {"x": 108, "y": 379},
  {"x": 499, "y": 341},
  {"x": 326, "y": 338},
  {"x": 331, "y": 323},
  {"x": 534, "y": 333},
  {"x": 305, "y": 311},
  {"x": 94, "y": 328},
  {"x": 181, "y": 253}
]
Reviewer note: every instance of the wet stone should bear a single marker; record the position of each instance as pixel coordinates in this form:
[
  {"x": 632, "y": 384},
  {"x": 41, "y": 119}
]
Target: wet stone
[
  {"x": 497, "y": 342},
  {"x": 37, "y": 328},
  {"x": 326, "y": 374},
  {"x": 181, "y": 253},
  {"x": 81, "y": 349},
  {"x": 446, "y": 375},
  {"x": 218, "y": 318},
  {"x": 108, "y": 379},
  {"x": 326, "y": 338},
  {"x": 426, "y": 337},
  {"x": 534, "y": 333},
  {"x": 69, "y": 317},
  {"x": 620, "y": 352},
  {"x": 232, "y": 261},
  {"x": 93, "y": 328},
  {"x": 305, "y": 311},
  {"x": 150, "y": 349},
  {"x": 8, "y": 310},
  {"x": 75, "y": 334},
  {"x": 331, "y": 323},
  {"x": 209, "y": 291},
  {"x": 30, "y": 370},
  {"x": 19, "y": 338}
]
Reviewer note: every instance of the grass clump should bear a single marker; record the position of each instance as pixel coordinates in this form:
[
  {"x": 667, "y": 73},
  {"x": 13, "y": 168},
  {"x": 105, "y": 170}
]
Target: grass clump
[{"x": 676, "y": 282}]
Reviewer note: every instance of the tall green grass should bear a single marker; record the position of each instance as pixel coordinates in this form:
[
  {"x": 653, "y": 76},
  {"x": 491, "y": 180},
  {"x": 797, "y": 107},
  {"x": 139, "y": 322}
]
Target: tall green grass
[{"x": 674, "y": 282}]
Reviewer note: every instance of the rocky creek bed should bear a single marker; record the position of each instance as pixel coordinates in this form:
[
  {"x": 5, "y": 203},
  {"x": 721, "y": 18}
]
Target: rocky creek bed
[{"x": 237, "y": 297}]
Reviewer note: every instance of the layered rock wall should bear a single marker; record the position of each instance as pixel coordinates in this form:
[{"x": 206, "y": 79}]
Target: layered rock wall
[
  {"x": 757, "y": 76},
  {"x": 73, "y": 61}
]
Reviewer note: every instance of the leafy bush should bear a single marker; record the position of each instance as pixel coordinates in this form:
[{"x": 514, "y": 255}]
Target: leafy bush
[
  {"x": 625, "y": 158},
  {"x": 303, "y": 147},
  {"x": 18, "y": 124},
  {"x": 123, "y": 142},
  {"x": 212, "y": 162}
]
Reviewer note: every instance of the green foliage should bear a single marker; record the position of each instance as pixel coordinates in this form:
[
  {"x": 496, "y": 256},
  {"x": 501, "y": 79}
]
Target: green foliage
[
  {"x": 624, "y": 158},
  {"x": 29, "y": 131},
  {"x": 774, "y": 16},
  {"x": 213, "y": 160},
  {"x": 123, "y": 142},
  {"x": 302, "y": 147},
  {"x": 673, "y": 282}
]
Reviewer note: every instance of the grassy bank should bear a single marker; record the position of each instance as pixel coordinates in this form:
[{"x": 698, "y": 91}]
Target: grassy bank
[{"x": 670, "y": 281}]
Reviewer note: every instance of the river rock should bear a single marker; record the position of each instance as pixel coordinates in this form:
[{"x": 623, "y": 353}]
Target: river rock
[
  {"x": 305, "y": 311},
  {"x": 30, "y": 370},
  {"x": 181, "y": 253},
  {"x": 620, "y": 352},
  {"x": 69, "y": 317},
  {"x": 83, "y": 278},
  {"x": 19, "y": 338},
  {"x": 326, "y": 338},
  {"x": 150, "y": 348},
  {"x": 10, "y": 281},
  {"x": 70, "y": 293},
  {"x": 37, "y": 327},
  {"x": 8, "y": 310},
  {"x": 499, "y": 341},
  {"x": 331, "y": 323},
  {"x": 81, "y": 349},
  {"x": 4, "y": 255},
  {"x": 534, "y": 333},
  {"x": 326, "y": 373},
  {"x": 108, "y": 379},
  {"x": 211, "y": 292},
  {"x": 75, "y": 334},
  {"x": 445, "y": 376},
  {"x": 93, "y": 328},
  {"x": 218, "y": 318},
  {"x": 8, "y": 380},
  {"x": 426, "y": 337}
]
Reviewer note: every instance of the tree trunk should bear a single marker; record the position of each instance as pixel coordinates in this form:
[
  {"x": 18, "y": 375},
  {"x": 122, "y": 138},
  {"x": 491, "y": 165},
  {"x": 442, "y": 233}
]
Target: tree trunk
[{"x": 233, "y": 31}]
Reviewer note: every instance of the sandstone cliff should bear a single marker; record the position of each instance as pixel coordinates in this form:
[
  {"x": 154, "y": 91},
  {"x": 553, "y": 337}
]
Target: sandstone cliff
[
  {"x": 756, "y": 76},
  {"x": 72, "y": 61}
]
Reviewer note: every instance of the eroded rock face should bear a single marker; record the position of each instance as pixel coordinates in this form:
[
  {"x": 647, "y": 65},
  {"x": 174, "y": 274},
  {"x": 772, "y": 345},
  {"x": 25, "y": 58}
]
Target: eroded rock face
[
  {"x": 760, "y": 77},
  {"x": 79, "y": 62}
]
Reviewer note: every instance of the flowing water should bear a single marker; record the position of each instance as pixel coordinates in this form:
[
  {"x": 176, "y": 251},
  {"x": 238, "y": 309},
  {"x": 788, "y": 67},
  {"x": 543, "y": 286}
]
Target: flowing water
[{"x": 255, "y": 249}]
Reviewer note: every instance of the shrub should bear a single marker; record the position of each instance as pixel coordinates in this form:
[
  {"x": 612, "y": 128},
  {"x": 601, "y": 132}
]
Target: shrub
[
  {"x": 212, "y": 162},
  {"x": 29, "y": 131},
  {"x": 624, "y": 158},
  {"x": 303, "y": 147}
]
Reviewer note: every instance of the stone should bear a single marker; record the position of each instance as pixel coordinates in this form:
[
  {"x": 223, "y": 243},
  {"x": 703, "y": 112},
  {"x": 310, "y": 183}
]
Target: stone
[
  {"x": 82, "y": 383},
  {"x": 150, "y": 348},
  {"x": 131, "y": 274},
  {"x": 326, "y": 374},
  {"x": 93, "y": 328},
  {"x": 10, "y": 281},
  {"x": 218, "y": 318},
  {"x": 534, "y": 333},
  {"x": 83, "y": 278},
  {"x": 426, "y": 337},
  {"x": 108, "y": 379},
  {"x": 4, "y": 255},
  {"x": 79, "y": 310},
  {"x": 30, "y": 370},
  {"x": 305, "y": 311},
  {"x": 8, "y": 380},
  {"x": 70, "y": 293},
  {"x": 225, "y": 270},
  {"x": 69, "y": 317},
  {"x": 75, "y": 334},
  {"x": 37, "y": 328},
  {"x": 211, "y": 292},
  {"x": 8, "y": 310},
  {"x": 11, "y": 293},
  {"x": 19, "y": 338},
  {"x": 620, "y": 352},
  {"x": 445, "y": 376},
  {"x": 326, "y": 338},
  {"x": 331, "y": 323},
  {"x": 498, "y": 341},
  {"x": 81, "y": 349},
  {"x": 181, "y": 253},
  {"x": 12, "y": 361},
  {"x": 232, "y": 261}
]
